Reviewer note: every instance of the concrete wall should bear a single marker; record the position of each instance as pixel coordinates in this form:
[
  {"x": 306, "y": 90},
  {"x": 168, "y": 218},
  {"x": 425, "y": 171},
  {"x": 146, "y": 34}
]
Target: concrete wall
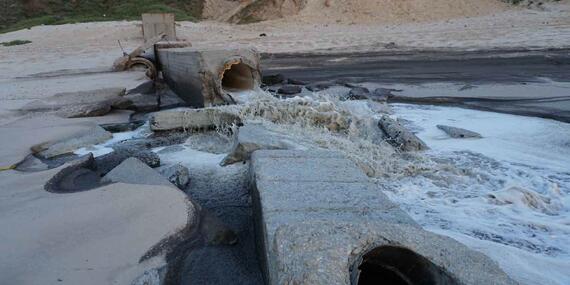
[{"x": 317, "y": 214}]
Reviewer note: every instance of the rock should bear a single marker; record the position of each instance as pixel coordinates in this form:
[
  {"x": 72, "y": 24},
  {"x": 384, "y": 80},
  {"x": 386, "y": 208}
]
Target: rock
[
  {"x": 205, "y": 118},
  {"x": 296, "y": 82},
  {"x": 273, "y": 79},
  {"x": 79, "y": 175},
  {"x": 156, "y": 140},
  {"x": 85, "y": 110},
  {"x": 358, "y": 93},
  {"x": 290, "y": 89},
  {"x": 176, "y": 174},
  {"x": 458, "y": 133},
  {"x": 107, "y": 162},
  {"x": 382, "y": 94},
  {"x": 76, "y": 104},
  {"x": 318, "y": 86},
  {"x": 142, "y": 102},
  {"x": 134, "y": 171},
  {"x": 122, "y": 127},
  {"x": 399, "y": 136},
  {"x": 87, "y": 137},
  {"x": 122, "y": 103},
  {"x": 147, "y": 87},
  {"x": 31, "y": 164},
  {"x": 250, "y": 138},
  {"x": 390, "y": 45}
]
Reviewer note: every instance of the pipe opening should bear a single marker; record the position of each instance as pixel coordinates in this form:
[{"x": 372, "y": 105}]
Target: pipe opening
[
  {"x": 400, "y": 266},
  {"x": 238, "y": 77}
]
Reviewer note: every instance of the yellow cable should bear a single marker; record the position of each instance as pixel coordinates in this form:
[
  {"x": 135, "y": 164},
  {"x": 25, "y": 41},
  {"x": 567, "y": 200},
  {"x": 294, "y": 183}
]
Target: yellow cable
[{"x": 3, "y": 168}]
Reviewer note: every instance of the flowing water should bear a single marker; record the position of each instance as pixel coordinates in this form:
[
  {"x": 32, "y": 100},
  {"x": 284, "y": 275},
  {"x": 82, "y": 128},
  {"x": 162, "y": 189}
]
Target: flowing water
[{"x": 506, "y": 194}]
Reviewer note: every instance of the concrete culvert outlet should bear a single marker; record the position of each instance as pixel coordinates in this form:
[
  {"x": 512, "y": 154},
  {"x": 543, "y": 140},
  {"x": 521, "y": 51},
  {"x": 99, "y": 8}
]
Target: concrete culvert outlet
[
  {"x": 204, "y": 77},
  {"x": 238, "y": 77},
  {"x": 400, "y": 266}
]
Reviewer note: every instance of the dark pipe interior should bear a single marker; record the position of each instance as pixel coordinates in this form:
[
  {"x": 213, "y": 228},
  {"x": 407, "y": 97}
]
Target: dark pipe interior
[
  {"x": 238, "y": 77},
  {"x": 400, "y": 266}
]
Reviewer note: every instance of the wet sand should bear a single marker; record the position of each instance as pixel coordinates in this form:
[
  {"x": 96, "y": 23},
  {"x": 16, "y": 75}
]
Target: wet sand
[{"x": 522, "y": 82}]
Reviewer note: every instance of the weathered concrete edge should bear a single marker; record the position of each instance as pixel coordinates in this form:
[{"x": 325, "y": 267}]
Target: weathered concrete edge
[{"x": 275, "y": 255}]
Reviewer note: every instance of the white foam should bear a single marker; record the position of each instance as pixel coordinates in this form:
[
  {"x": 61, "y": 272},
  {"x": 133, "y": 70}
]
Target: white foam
[{"x": 506, "y": 194}]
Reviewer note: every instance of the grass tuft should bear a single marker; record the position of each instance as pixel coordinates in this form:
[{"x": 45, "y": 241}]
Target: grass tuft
[{"x": 15, "y": 43}]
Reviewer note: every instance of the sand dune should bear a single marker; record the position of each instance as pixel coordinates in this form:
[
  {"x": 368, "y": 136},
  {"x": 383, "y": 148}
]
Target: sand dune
[{"x": 349, "y": 11}]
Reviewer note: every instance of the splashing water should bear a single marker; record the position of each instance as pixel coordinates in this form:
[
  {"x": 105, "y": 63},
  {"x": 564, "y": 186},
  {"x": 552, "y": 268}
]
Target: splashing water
[{"x": 506, "y": 194}]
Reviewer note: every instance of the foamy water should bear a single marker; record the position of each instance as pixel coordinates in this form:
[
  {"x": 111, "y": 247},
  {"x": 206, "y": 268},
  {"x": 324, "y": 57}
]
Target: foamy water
[{"x": 506, "y": 194}]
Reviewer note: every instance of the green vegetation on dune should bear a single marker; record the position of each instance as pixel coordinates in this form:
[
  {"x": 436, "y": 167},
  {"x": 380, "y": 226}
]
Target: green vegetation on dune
[
  {"x": 22, "y": 14},
  {"x": 15, "y": 43}
]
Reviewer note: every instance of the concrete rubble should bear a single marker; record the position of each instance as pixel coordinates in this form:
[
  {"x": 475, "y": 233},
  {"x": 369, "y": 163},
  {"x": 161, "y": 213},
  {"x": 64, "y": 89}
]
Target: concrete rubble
[
  {"x": 80, "y": 104},
  {"x": 176, "y": 174},
  {"x": 134, "y": 171},
  {"x": 87, "y": 137},
  {"x": 289, "y": 89},
  {"x": 78, "y": 175},
  {"x": 254, "y": 137},
  {"x": 400, "y": 137},
  {"x": 192, "y": 119},
  {"x": 458, "y": 133},
  {"x": 107, "y": 162},
  {"x": 317, "y": 234}
]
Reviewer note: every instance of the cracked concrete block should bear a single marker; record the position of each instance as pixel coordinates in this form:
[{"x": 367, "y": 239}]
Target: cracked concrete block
[
  {"x": 107, "y": 162},
  {"x": 89, "y": 103},
  {"x": 192, "y": 119},
  {"x": 307, "y": 166},
  {"x": 399, "y": 136},
  {"x": 458, "y": 133},
  {"x": 87, "y": 137},
  {"x": 176, "y": 174},
  {"x": 254, "y": 137},
  {"x": 206, "y": 77},
  {"x": 134, "y": 171}
]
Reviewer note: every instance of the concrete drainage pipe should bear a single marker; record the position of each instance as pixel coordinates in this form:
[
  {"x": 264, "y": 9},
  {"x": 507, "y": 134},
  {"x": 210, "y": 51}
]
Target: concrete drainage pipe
[{"x": 206, "y": 77}]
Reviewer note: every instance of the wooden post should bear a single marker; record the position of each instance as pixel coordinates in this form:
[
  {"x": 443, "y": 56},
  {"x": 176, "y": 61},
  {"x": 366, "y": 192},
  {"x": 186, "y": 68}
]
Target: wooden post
[{"x": 156, "y": 24}]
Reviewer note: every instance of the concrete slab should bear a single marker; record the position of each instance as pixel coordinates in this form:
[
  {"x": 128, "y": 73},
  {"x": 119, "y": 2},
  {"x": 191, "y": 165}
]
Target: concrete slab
[
  {"x": 330, "y": 253},
  {"x": 317, "y": 215},
  {"x": 186, "y": 118},
  {"x": 134, "y": 171},
  {"x": 306, "y": 169}
]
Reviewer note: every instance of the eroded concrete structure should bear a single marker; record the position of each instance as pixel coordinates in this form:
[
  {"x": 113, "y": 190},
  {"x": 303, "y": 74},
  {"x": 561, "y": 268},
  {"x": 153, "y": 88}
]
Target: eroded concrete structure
[
  {"x": 206, "y": 77},
  {"x": 320, "y": 221}
]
